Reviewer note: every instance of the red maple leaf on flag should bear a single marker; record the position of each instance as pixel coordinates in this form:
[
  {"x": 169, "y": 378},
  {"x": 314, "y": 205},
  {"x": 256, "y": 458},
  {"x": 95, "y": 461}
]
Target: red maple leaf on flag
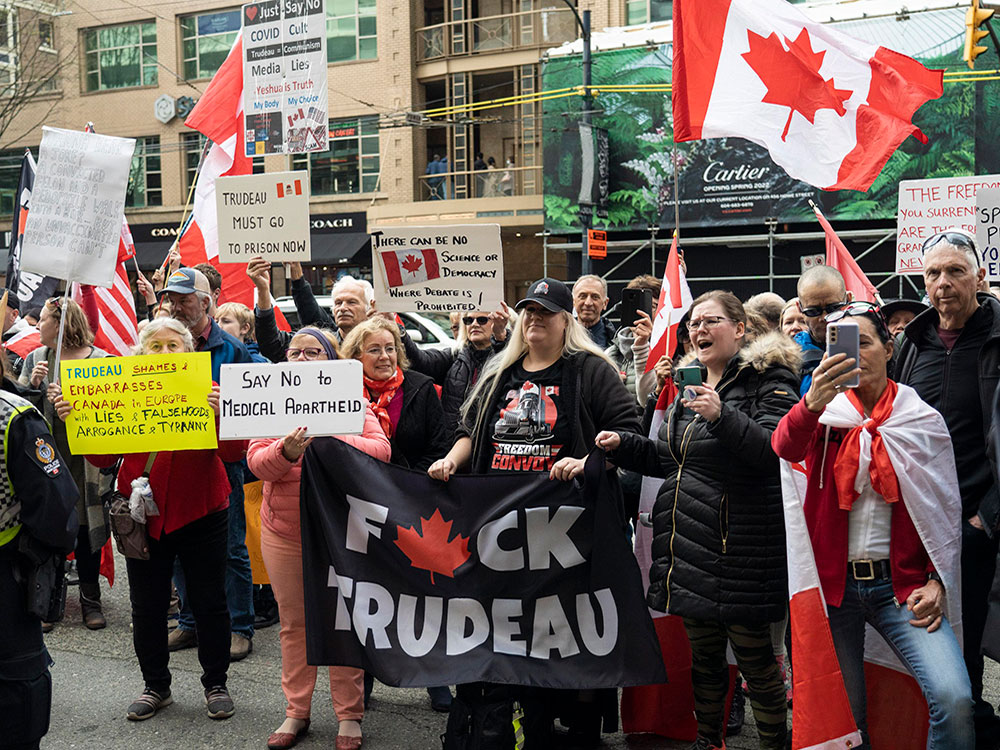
[
  {"x": 431, "y": 549},
  {"x": 792, "y": 76},
  {"x": 412, "y": 263}
]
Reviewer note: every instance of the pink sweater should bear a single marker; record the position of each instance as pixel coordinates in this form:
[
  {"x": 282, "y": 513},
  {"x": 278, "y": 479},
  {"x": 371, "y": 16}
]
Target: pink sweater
[{"x": 280, "y": 510}]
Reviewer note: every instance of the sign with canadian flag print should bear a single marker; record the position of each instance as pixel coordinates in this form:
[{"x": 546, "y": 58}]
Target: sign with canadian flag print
[
  {"x": 265, "y": 215},
  {"x": 515, "y": 579},
  {"x": 437, "y": 269}
]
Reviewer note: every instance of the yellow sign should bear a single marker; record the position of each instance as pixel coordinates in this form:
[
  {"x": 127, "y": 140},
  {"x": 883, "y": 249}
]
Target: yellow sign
[{"x": 153, "y": 402}]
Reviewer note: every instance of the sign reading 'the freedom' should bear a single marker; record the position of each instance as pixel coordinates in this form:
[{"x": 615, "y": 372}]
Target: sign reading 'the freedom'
[
  {"x": 438, "y": 269},
  {"x": 265, "y": 400},
  {"x": 265, "y": 215}
]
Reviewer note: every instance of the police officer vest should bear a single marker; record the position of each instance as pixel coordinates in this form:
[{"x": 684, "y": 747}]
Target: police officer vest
[{"x": 10, "y": 507}]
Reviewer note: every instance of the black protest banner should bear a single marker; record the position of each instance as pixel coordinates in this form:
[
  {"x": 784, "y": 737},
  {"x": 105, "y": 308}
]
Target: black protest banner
[{"x": 507, "y": 579}]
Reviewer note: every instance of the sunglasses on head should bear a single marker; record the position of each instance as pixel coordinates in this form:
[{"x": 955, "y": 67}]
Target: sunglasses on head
[
  {"x": 481, "y": 320},
  {"x": 815, "y": 312},
  {"x": 867, "y": 309},
  {"x": 952, "y": 238}
]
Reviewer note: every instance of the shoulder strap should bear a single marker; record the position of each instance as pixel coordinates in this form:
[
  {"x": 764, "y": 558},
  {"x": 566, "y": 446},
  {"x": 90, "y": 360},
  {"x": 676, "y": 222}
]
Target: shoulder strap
[{"x": 149, "y": 464}]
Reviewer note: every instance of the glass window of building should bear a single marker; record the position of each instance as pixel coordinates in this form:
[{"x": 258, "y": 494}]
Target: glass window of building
[
  {"x": 10, "y": 173},
  {"x": 120, "y": 56},
  {"x": 206, "y": 39},
  {"x": 145, "y": 179},
  {"x": 350, "y": 30},
  {"x": 648, "y": 11},
  {"x": 351, "y": 165},
  {"x": 192, "y": 144}
]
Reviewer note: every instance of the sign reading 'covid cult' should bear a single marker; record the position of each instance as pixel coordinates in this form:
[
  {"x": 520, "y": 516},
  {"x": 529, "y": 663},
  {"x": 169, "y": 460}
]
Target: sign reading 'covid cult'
[{"x": 284, "y": 76}]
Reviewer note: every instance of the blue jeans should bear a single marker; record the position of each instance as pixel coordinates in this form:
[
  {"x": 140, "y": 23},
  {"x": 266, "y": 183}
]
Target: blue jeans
[
  {"x": 934, "y": 659},
  {"x": 239, "y": 578}
]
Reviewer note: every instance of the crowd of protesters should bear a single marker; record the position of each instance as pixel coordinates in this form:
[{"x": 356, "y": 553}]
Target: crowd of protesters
[{"x": 890, "y": 542}]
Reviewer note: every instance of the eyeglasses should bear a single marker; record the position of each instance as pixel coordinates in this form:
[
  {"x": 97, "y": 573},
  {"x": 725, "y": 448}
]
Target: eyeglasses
[
  {"x": 308, "y": 353},
  {"x": 376, "y": 351},
  {"x": 709, "y": 321},
  {"x": 952, "y": 238},
  {"x": 815, "y": 312},
  {"x": 481, "y": 320},
  {"x": 866, "y": 309}
]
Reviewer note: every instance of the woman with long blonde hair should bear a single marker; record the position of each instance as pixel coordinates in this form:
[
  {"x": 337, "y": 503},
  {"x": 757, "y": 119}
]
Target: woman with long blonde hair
[{"x": 537, "y": 407}]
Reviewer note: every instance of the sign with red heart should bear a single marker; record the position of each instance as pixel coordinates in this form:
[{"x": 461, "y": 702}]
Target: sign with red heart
[{"x": 251, "y": 12}]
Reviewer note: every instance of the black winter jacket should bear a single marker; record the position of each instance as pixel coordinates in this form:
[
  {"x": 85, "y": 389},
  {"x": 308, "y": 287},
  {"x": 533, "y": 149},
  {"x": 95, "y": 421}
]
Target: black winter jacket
[
  {"x": 455, "y": 370},
  {"x": 920, "y": 340},
  {"x": 600, "y": 402},
  {"x": 718, "y": 527},
  {"x": 419, "y": 438}
]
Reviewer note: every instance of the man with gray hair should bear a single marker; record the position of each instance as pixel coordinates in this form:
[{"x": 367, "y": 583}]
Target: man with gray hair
[
  {"x": 590, "y": 299},
  {"x": 191, "y": 303},
  {"x": 821, "y": 291},
  {"x": 950, "y": 354},
  {"x": 767, "y": 305},
  {"x": 353, "y": 302}
]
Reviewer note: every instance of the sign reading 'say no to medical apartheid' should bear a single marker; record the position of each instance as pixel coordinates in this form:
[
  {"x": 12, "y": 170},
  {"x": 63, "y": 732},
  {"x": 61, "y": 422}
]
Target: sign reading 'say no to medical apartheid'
[
  {"x": 154, "y": 402},
  {"x": 437, "y": 269}
]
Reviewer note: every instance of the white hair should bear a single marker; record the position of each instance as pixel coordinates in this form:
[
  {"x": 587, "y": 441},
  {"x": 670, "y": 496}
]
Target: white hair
[
  {"x": 158, "y": 324},
  {"x": 366, "y": 288},
  {"x": 591, "y": 277}
]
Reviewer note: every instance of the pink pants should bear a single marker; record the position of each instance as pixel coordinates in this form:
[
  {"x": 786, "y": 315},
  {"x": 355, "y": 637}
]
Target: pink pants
[{"x": 283, "y": 559}]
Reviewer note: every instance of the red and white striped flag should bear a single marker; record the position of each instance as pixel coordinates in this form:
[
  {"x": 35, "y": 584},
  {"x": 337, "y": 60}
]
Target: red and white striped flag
[
  {"x": 218, "y": 116},
  {"x": 24, "y": 342},
  {"x": 675, "y": 301},
  {"x": 410, "y": 266}
]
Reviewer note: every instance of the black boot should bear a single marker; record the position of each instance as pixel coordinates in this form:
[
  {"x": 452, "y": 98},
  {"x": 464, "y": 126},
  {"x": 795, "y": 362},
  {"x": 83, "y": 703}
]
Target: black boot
[
  {"x": 90, "y": 605},
  {"x": 737, "y": 712}
]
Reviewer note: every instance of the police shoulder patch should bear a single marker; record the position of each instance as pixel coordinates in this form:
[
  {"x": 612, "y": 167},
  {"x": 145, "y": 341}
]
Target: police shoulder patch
[{"x": 46, "y": 457}]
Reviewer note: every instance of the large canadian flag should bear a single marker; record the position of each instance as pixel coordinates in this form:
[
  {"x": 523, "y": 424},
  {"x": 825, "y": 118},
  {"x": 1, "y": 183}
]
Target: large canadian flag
[
  {"x": 829, "y": 108},
  {"x": 218, "y": 116}
]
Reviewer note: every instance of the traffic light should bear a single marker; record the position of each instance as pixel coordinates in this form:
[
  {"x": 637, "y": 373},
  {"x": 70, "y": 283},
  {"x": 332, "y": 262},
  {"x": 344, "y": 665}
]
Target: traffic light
[{"x": 974, "y": 18}]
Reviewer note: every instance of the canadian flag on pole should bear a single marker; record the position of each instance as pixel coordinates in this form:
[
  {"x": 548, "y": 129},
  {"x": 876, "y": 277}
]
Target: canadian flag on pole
[
  {"x": 218, "y": 116},
  {"x": 674, "y": 302},
  {"x": 829, "y": 108},
  {"x": 839, "y": 257}
]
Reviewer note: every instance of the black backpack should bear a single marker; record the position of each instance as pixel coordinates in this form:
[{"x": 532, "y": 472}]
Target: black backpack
[{"x": 481, "y": 718}]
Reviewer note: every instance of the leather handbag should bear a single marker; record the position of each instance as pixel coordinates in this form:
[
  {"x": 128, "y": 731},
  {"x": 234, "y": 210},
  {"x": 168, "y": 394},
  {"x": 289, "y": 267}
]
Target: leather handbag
[{"x": 130, "y": 535}]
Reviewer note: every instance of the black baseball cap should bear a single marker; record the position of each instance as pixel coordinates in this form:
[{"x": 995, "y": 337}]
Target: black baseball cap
[
  {"x": 551, "y": 294},
  {"x": 894, "y": 306}
]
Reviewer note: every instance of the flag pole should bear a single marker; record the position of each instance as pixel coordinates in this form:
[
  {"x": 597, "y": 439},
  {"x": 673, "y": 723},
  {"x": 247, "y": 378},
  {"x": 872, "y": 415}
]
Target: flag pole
[
  {"x": 677, "y": 194},
  {"x": 62, "y": 329},
  {"x": 187, "y": 203}
]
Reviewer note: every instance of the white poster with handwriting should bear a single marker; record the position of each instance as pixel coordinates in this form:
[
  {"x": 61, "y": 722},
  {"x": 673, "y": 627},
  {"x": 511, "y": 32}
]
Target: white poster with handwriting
[
  {"x": 437, "y": 269},
  {"x": 988, "y": 231},
  {"x": 927, "y": 207},
  {"x": 265, "y": 215},
  {"x": 75, "y": 215},
  {"x": 266, "y": 400}
]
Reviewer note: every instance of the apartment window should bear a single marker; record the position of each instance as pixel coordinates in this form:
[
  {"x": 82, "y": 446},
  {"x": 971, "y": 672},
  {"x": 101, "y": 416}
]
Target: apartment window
[
  {"x": 120, "y": 56},
  {"x": 350, "y": 165},
  {"x": 206, "y": 40},
  {"x": 192, "y": 145},
  {"x": 8, "y": 30},
  {"x": 350, "y": 30},
  {"x": 647, "y": 11},
  {"x": 10, "y": 173},
  {"x": 46, "y": 35},
  {"x": 145, "y": 179}
]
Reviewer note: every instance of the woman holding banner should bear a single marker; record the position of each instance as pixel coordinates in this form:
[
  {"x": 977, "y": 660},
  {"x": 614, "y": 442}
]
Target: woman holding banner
[
  {"x": 191, "y": 492},
  {"x": 278, "y": 462},
  {"x": 883, "y": 511},
  {"x": 718, "y": 532},
  {"x": 40, "y": 374},
  {"x": 537, "y": 407}
]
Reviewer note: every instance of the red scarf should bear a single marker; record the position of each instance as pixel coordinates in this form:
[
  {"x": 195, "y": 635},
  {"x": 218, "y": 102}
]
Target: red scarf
[
  {"x": 385, "y": 390},
  {"x": 845, "y": 469}
]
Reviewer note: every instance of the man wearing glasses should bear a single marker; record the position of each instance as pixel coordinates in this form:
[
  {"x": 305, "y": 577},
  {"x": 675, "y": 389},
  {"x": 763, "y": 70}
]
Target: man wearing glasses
[
  {"x": 950, "y": 354},
  {"x": 821, "y": 291}
]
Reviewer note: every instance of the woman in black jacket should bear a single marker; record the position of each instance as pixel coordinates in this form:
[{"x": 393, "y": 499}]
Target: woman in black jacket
[
  {"x": 481, "y": 335},
  {"x": 718, "y": 529}
]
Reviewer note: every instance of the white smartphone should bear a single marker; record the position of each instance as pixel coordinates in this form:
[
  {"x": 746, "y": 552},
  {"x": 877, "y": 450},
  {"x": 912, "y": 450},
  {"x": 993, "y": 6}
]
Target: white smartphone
[{"x": 842, "y": 337}]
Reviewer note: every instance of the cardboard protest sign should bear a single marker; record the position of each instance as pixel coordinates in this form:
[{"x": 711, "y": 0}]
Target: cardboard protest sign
[
  {"x": 263, "y": 214},
  {"x": 153, "y": 402},
  {"x": 437, "y": 269},
  {"x": 265, "y": 400},
  {"x": 285, "y": 77},
  {"x": 77, "y": 205},
  {"x": 927, "y": 207},
  {"x": 988, "y": 230}
]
